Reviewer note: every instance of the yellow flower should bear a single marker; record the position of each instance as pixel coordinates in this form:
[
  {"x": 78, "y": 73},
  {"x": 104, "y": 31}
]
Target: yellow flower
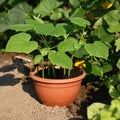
[
  {"x": 107, "y": 5},
  {"x": 80, "y": 63}
]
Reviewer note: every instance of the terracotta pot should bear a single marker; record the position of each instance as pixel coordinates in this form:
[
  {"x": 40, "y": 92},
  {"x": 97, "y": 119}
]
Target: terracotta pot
[{"x": 60, "y": 92}]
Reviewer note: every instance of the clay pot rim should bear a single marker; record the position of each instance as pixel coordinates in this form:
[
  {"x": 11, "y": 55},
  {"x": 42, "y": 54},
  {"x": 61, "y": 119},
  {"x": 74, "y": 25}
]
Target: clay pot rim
[{"x": 48, "y": 80}]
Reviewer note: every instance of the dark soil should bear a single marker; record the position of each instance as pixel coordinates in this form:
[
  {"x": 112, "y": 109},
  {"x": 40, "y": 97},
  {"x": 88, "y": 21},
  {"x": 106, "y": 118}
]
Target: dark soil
[{"x": 59, "y": 73}]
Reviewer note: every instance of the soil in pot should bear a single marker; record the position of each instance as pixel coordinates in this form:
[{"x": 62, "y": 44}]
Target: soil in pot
[{"x": 59, "y": 73}]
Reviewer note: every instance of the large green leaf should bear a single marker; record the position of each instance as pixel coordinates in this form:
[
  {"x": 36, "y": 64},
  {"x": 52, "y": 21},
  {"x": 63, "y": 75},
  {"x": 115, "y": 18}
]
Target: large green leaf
[
  {"x": 61, "y": 59},
  {"x": 79, "y": 21},
  {"x": 103, "y": 35},
  {"x": 96, "y": 70},
  {"x": 21, "y": 27},
  {"x": 21, "y": 43},
  {"x": 67, "y": 45},
  {"x": 16, "y": 15},
  {"x": 45, "y": 7},
  {"x": 97, "y": 49},
  {"x": 94, "y": 111},
  {"x": 59, "y": 30},
  {"x": 113, "y": 20},
  {"x": 50, "y": 29},
  {"x": 44, "y": 29}
]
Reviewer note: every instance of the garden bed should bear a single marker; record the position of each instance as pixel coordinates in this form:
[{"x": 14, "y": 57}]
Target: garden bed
[{"x": 19, "y": 101}]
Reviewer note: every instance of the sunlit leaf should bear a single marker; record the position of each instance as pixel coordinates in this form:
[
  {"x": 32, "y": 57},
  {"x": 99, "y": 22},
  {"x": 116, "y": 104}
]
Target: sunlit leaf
[
  {"x": 97, "y": 49},
  {"x": 61, "y": 59},
  {"x": 94, "y": 111},
  {"x": 21, "y": 43},
  {"x": 45, "y": 7},
  {"x": 114, "y": 93},
  {"x": 67, "y": 45},
  {"x": 79, "y": 21},
  {"x": 113, "y": 20}
]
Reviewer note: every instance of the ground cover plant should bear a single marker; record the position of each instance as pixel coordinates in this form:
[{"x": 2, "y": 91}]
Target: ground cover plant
[{"x": 88, "y": 30}]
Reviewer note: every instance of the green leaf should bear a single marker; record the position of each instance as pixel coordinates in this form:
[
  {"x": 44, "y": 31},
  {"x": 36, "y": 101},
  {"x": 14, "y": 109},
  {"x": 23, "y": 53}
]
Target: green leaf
[
  {"x": 61, "y": 59},
  {"x": 94, "y": 111},
  {"x": 2, "y": 1},
  {"x": 79, "y": 12},
  {"x": 115, "y": 107},
  {"x": 59, "y": 13},
  {"x": 45, "y": 7},
  {"x": 59, "y": 30},
  {"x": 79, "y": 21},
  {"x": 97, "y": 49},
  {"x": 96, "y": 70},
  {"x": 117, "y": 44},
  {"x": 21, "y": 27},
  {"x": 106, "y": 67},
  {"x": 37, "y": 59},
  {"x": 74, "y": 3},
  {"x": 44, "y": 29},
  {"x": 44, "y": 51},
  {"x": 16, "y": 15},
  {"x": 67, "y": 45},
  {"x": 103, "y": 35},
  {"x": 114, "y": 93},
  {"x": 21, "y": 43},
  {"x": 49, "y": 29},
  {"x": 79, "y": 53},
  {"x": 113, "y": 20}
]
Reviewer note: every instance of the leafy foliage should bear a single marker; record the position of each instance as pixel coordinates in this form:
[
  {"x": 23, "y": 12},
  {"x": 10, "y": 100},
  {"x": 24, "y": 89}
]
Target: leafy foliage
[{"x": 65, "y": 31}]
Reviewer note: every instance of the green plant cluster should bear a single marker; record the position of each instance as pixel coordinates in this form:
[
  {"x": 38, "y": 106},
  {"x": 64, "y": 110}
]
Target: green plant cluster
[{"x": 64, "y": 31}]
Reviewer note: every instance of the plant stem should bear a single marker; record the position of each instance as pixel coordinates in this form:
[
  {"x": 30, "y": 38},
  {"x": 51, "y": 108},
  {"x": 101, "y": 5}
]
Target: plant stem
[
  {"x": 43, "y": 68},
  {"x": 69, "y": 72},
  {"x": 44, "y": 40},
  {"x": 70, "y": 69},
  {"x": 97, "y": 61},
  {"x": 54, "y": 74},
  {"x": 64, "y": 71},
  {"x": 48, "y": 70}
]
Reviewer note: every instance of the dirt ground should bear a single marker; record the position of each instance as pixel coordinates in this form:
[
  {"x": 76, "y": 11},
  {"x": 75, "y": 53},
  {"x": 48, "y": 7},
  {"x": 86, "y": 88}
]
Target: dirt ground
[{"x": 18, "y": 100}]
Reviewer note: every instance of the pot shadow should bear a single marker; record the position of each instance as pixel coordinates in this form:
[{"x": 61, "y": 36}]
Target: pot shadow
[
  {"x": 27, "y": 85},
  {"x": 29, "y": 88}
]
